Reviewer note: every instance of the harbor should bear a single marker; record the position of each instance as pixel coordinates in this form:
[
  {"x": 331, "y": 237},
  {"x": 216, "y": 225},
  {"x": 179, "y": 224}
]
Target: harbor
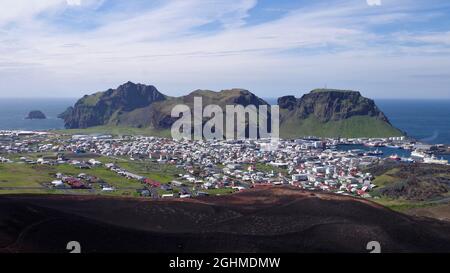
[{"x": 416, "y": 151}]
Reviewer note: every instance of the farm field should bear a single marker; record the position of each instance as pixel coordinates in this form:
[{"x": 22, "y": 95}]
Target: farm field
[{"x": 25, "y": 178}]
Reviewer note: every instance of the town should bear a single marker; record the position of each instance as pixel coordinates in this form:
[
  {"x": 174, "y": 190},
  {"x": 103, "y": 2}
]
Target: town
[{"x": 164, "y": 168}]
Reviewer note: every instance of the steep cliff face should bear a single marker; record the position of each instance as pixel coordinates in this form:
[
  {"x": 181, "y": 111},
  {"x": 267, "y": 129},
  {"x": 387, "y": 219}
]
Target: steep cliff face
[
  {"x": 332, "y": 113},
  {"x": 102, "y": 107},
  {"x": 138, "y": 105},
  {"x": 331, "y": 105},
  {"x": 322, "y": 112},
  {"x": 158, "y": 115}
]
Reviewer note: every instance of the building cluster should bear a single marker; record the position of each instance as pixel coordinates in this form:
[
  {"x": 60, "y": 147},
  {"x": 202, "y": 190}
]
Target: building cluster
[
  {"x": 81, "y": 181},
  {"x": 313, "y": 164},
  {"x": 238, "y": 165}
]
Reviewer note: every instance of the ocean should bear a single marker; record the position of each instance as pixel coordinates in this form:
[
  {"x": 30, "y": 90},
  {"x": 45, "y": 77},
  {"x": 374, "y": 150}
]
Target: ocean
[
  {"x": 426, "y": 120},
  {"x": 14, "y": 111}
]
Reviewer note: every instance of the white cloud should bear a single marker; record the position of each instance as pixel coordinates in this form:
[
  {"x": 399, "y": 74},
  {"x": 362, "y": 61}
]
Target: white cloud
[
  {"x": 442, "y": 38},
  {"x": 21, "y": 10},
  {"x": 306, "y": 48},
  {"x": 74, "y": 2},
  {"x": 374, "y": 2}
]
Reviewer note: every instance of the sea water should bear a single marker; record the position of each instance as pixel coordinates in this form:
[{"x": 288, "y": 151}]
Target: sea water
[
  {"x": 425, "y": 120},
  {"x": 14, "y": 111}
]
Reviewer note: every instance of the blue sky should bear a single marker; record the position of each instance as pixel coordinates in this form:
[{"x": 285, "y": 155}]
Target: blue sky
[{"x": 68, "y": 48}]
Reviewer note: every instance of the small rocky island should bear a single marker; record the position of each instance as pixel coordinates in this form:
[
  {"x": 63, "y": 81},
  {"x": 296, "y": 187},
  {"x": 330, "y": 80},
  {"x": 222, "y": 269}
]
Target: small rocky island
[{"x": 36, "y": 114}]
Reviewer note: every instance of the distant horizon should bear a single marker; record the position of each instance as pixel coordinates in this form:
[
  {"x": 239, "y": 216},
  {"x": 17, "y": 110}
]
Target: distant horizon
[
  {"x": 179, "y": 94},
  {"x": 297, "y": 95},
  {"x": 265, "y": 98},
  {"x": 420, "y": 118}
]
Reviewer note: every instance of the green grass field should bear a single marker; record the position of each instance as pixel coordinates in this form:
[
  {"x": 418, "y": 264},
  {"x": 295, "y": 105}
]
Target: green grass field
[
  {"x": 401, "y": 205},
  {"x": 220, "y": 191},
  {"x": 356, "y": 126},
  {"x": 19, "y": 178},
  {"x": 22, "y": 175},
  {"x": 261, "y": 167},
  {"x": 117, "y": 131},
  {"x": 162, "y": 173},
  {"x": 386, "y": 179},
  {"x": 24, "y": 178}
]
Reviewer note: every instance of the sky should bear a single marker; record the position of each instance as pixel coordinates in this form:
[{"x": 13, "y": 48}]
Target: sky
[{"x": 69, "y": 48}]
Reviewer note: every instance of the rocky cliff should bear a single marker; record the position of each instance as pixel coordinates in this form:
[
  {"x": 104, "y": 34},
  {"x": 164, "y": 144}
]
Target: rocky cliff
[
  {"x": 331, "y": 105},
  {"x": 333, "y": 113},
  {"x": 103, "y": 107},
  {"x": 322, "y": 112}
]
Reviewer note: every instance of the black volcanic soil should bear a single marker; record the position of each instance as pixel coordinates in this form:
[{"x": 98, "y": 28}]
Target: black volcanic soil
[{"x": 260, "y": 220}]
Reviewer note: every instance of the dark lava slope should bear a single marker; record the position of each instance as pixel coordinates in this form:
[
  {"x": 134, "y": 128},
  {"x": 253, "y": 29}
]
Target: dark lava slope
[{"x": 261, "y": 220}]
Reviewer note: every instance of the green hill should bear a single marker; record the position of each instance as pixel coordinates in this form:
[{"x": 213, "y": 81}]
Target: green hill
[
  {"x": 322, "y": 112},
  {"x": 356, "y": 126}
]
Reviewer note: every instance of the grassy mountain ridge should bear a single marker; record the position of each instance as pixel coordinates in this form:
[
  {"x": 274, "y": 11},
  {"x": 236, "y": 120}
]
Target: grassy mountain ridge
[
  {"x": 356, "y": 126},
  {"x": 322, "y": 112}
]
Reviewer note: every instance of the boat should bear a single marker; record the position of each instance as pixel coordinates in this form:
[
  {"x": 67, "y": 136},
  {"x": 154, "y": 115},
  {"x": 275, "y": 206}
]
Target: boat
[
  {"x": 407, "y": 160},
  {"x": 357, "y": 152},
  {"x": 395, "y": 157},
  {"x": 371, "y": 144},
  {"x": 374, "y": 153},
  {"x": 407, "y": 147},
  {"x": 418, "y": 154},
  {"x": 394, "y": 147},
  {"x": 433, "y": 160},
  {"x": 374, "y": 144}
]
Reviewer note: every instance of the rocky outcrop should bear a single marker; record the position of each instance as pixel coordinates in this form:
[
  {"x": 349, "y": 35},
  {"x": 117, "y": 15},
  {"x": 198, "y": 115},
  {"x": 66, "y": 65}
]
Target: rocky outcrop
[
  {"x": 331, "y": 105},
  {"x": 287, "y": 102},
  {"x": 66, "y": 113},
  {"x": 36, "y": 114},
  {"x": 333, "y": 113},
  {"x": 140, "y": 106},
  {"x": 100, "y": 108}
]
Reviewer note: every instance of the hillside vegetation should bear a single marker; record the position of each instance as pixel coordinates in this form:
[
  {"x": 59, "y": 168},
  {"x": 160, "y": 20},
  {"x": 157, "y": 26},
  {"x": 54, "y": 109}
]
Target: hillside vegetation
[{"x": 142, "y": 108}]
